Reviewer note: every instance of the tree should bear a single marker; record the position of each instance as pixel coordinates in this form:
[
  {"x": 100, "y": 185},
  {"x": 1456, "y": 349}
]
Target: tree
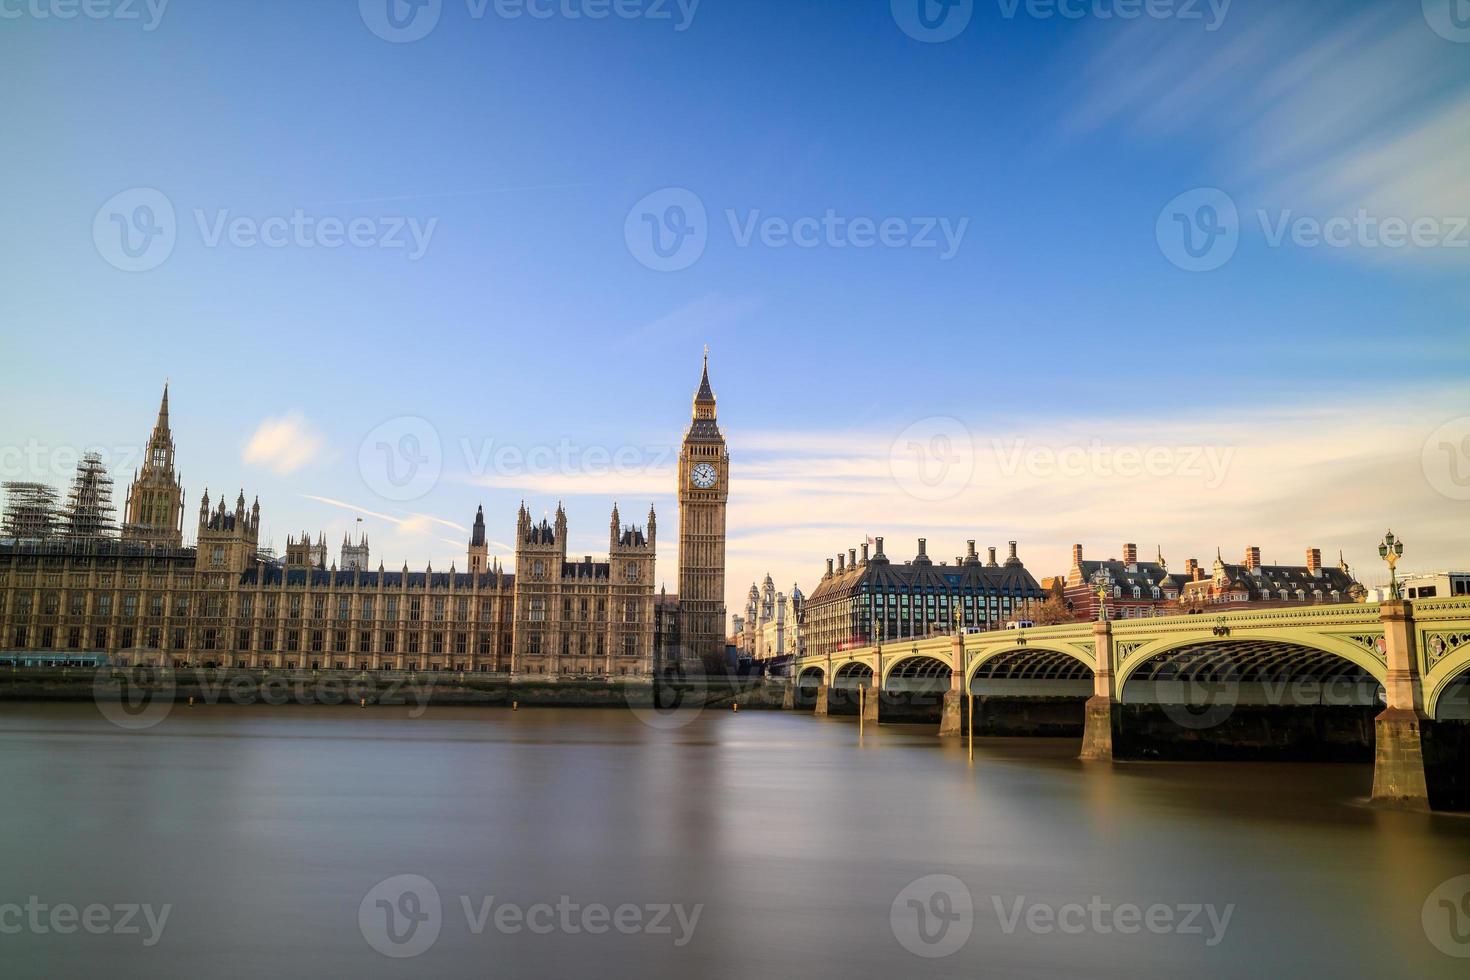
[{"x": 1053, "y": 612}]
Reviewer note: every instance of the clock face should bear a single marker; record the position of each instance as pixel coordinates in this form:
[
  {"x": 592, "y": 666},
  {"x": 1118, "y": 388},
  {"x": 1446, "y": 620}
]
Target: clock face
[{"x": 704, "y": 476}]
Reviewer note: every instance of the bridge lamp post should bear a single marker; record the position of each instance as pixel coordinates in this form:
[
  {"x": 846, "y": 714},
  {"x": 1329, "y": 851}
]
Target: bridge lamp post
[{"x": 1390, "y": 549}]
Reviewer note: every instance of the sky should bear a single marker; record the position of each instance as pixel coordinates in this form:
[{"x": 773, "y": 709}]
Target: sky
[{"x": 1189, "y": 275}]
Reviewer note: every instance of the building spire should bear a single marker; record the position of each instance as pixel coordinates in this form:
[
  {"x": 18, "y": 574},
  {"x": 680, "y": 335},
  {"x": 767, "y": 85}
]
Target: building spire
[{"x": 706, "y": 393}]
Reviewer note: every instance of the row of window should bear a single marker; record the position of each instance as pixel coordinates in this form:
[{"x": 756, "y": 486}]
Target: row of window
[
  {"x": 536, "y": 647},
  {"x": 315, "y": 641},
  {"x": 215, "y": 605}
]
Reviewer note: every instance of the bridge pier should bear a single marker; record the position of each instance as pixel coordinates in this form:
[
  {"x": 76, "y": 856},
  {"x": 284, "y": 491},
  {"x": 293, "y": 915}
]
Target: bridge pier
[
  {"x": 788, "y": 696},
  {"x": 952, "y": 713},
  {"x": 869, "y": 701},
  {"x": 821, "y": 708},
  {"x": 1101, "y": 719},
  {"x": 1398, "y": 732}
]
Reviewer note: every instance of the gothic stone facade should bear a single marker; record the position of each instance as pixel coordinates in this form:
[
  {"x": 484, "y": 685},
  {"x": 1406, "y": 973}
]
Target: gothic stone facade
[{"x": 144, "y": 598}]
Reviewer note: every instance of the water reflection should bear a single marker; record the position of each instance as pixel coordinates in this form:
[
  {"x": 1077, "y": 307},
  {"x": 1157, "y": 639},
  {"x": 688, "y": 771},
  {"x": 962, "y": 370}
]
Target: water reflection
[{"x": 265, "y": 829}]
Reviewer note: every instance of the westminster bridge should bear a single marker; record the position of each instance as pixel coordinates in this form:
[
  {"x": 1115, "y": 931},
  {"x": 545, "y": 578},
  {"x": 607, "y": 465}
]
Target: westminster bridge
[{"x": 1155, "y": 684}]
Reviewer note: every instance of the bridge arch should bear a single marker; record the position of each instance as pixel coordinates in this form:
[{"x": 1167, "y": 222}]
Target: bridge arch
[
  {"x": 1253, "y": 653},
  {"x": 1261, "y": 670},
  {"x": 853, "y": 674},
  {"x": 917, "y": 672},
  {"x": 811, "y": 677},
  {"x": 1450, "y": 674},
  {"x": 1029, "y": 664}
]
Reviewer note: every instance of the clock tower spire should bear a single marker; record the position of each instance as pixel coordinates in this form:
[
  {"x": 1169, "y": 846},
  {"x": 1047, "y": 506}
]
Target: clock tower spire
[{"x": 704, "y": 490}]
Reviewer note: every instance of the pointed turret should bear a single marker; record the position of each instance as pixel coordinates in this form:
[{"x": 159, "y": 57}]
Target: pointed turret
[{"x": 478, "y": 550}]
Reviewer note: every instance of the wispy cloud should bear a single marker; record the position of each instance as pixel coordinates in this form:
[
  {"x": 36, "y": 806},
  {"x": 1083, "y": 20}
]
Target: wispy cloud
[
  {"x": 1321, "y": 111},
  {"x": 284, "y": 445},
  {"x": 1284, "y": 477}
]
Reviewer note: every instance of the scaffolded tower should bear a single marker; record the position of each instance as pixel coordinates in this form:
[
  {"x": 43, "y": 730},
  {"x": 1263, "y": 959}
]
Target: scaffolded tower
[
  {"x": 30, "y": 512},
  {"x": 89, "y": 512}
]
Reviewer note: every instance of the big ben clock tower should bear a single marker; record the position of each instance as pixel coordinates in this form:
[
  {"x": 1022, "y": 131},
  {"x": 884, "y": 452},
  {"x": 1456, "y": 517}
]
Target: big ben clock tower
[{"x": 704, "y": 489}]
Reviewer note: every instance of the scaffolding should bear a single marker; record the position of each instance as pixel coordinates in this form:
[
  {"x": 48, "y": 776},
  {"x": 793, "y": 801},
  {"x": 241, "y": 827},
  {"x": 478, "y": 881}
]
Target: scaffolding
[
  {"x": 89, "y": 511},
  {"x": 30, "y": 512}
]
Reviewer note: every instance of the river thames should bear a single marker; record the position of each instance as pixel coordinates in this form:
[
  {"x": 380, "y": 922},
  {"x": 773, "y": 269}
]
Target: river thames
[{"x": 295, "y": 842}]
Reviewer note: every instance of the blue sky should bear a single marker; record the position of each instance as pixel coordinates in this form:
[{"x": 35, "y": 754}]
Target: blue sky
[{"x": 1060, "y": 320}]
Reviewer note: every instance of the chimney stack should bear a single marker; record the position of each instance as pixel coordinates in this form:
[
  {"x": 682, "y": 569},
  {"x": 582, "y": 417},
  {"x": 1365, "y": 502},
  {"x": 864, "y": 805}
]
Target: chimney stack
[
  {"x": 840, "y": 566},
  {"x": 829, "y": 568},
  {"x": 1130, "y": 557},
  {"x": 1013, "y": 560},
  {"x": 865, "y": 552},
  {"x": 1314, "y": 562},
  {"x": 992, "y": 562},
  {"x": 970, "y": 550},
  {"x": 878, "y": 543},
  {"x": 923, "y": 547},
  {"x": 1191, "y": 568},
  {"x": 1252, "y": 559},
  {"x": 852, "y": 558},
  {"x": 1076, "y": 554}
]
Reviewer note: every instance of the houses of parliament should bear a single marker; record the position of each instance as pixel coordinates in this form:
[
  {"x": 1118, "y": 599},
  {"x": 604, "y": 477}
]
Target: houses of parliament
[{"x": 75, "y": 582}]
